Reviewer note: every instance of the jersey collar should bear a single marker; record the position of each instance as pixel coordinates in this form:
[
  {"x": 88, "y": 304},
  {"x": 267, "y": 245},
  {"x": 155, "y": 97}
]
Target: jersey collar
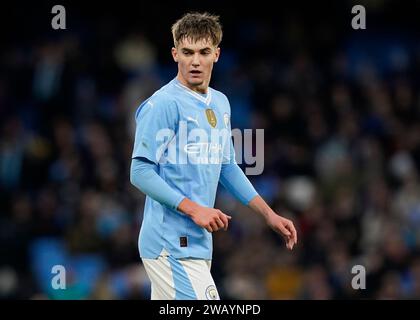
[{"x": 203, "y": 99}]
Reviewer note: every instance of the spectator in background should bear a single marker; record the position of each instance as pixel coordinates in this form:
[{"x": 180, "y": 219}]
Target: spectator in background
[{"x": 341, "y": 153}]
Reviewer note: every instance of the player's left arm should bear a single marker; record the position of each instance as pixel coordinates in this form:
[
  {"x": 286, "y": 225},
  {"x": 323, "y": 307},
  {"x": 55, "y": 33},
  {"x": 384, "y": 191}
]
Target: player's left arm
[
  {"x": 237, "y": 183},
  {"x": 278, "y": 223}
]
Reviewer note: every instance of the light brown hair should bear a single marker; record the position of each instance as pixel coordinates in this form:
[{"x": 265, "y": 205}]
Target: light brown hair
[{"x": 197, "y": 26}]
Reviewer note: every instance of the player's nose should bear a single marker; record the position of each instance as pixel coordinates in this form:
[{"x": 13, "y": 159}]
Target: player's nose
[{"x": 196, "y": 60}]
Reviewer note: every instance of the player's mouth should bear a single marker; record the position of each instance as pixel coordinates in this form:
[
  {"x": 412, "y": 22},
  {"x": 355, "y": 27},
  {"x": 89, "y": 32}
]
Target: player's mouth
[{"x": 195, "y": 73}]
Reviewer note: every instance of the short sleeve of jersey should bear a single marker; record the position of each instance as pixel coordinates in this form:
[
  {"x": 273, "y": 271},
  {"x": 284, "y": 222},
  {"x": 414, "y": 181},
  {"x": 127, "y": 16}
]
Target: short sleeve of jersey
[{"x": 156, "y": 124}]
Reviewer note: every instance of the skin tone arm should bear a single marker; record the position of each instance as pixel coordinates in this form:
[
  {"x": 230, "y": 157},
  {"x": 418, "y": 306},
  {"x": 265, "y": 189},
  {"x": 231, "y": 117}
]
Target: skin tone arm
[
  {"x": 278, "y": 223},
  {"x": 214, "y": 219}
]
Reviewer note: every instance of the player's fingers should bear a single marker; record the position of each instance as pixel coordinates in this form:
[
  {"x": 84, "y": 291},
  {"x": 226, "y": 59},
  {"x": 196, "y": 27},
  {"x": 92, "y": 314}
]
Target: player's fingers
[
  {"x": 291, "y": 243},
  {"x": 220, "y": 222},
  {"x": 209, "y": 228},
  {"x": 292, "y": 229},
  {"x": 225, "y": 221},
  {"x": 214, "y": 226},
  {"x": 227, "y": 218},
  {"x": 221, "y": 213},
  {"x": 283, "y": 230}
]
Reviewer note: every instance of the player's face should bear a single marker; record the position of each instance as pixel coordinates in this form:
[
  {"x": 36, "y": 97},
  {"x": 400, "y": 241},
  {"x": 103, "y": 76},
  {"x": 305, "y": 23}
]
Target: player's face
[{"x": 195, "y": 63}]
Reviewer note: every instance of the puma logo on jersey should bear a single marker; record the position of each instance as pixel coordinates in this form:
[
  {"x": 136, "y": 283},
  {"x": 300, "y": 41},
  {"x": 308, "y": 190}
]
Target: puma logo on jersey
[{"x": 193, "y": 120}]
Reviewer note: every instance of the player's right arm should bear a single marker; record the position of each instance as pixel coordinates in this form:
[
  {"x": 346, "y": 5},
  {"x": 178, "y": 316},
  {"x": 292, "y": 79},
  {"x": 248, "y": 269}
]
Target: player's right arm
[{"x": 144, "y": 176}]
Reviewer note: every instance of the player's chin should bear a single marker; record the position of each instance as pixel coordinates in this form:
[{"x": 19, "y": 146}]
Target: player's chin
[
  {"x": 196, "y": 81},
  {"x": 196, "y": 76}
]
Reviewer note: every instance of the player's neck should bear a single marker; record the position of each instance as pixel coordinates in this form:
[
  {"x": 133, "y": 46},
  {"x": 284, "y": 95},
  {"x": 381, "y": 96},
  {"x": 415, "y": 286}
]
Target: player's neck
[{"x": 201, "y": 89}]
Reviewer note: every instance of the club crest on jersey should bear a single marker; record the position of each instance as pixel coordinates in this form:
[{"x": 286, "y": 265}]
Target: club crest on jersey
[
  {"x": 211, "y": 117},
  {"x": 226, "y": 120},
  {"x": 211, "y": 293}
]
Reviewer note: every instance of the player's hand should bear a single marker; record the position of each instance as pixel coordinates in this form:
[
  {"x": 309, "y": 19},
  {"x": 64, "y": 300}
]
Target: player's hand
[
  {"x": 211, "y": 219},
  {"x": 284, "y": 227}
]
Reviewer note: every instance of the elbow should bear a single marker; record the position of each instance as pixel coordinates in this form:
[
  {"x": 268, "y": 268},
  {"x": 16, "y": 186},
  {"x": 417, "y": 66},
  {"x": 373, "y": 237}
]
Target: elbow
[
  {"x": 134, "y": 177},
  {"x": 135, "y": 181},
  {"x": 140, "y": 173},
  {"x": 132, "y": 181}
]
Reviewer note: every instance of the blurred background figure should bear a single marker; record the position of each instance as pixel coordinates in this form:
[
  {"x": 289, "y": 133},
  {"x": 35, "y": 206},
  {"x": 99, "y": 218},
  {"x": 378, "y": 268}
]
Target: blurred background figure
[{"x": 341, "y": 114}]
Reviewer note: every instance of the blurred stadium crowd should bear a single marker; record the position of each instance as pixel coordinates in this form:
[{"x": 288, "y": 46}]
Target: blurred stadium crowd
[{"x": 341, "y": 113}]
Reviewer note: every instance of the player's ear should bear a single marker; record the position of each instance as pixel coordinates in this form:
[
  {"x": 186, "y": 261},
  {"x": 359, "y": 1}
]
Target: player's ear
[
  {"x": 174, "y": 54},
  {"x": 217, "y": 54}
]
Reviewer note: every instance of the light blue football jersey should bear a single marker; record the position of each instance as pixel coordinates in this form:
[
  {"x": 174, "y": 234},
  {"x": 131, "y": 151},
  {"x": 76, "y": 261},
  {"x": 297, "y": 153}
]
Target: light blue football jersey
[{"x": 188, "y": 135}]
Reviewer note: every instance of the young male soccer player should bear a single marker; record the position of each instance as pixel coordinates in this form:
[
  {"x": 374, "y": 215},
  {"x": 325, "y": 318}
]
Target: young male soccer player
[{"x": 182, "y": 150}]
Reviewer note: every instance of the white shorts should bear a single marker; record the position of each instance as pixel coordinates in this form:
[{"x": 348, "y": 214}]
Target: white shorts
[{"x": 180, "y": 279}]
